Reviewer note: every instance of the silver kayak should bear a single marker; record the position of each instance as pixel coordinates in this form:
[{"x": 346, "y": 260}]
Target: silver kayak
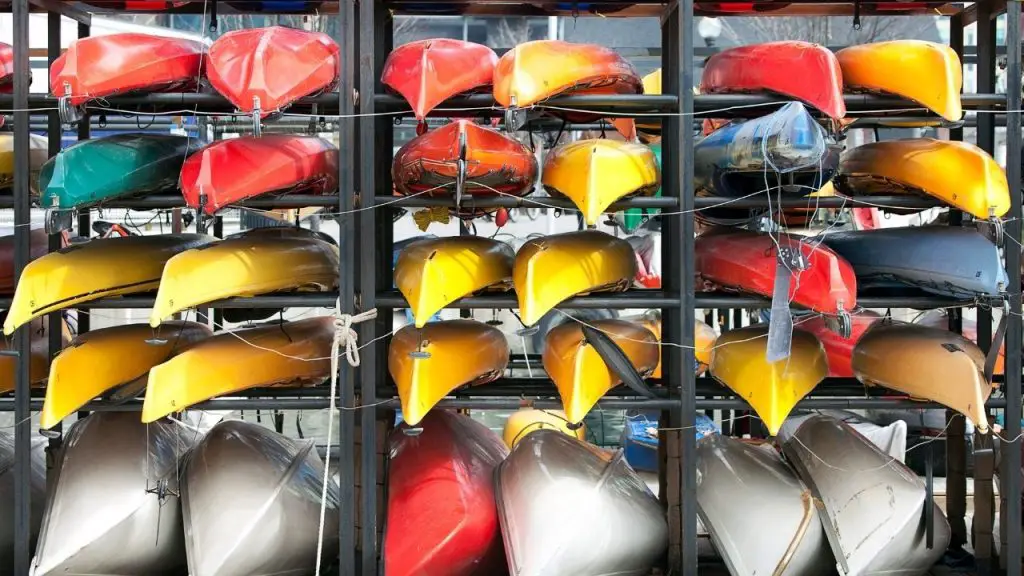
[
  {"x": 568, "y": 507},
  {"x": 873, "y": 505},
  {"x": 112, "y": 508},
  {"x": 37, "y": 488},
  {"x": 251, "y": 499},
  {"x": 890, "y": 439}
]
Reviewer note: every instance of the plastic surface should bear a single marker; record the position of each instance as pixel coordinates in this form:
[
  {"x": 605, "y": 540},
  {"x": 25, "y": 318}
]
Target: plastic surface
[
  {"x": 6, "y": 68},
  {"x": 38, "y": 154},
  {"x": 39, "y": 355},
  {"x": 428, "y": 72},
  {"x": 969, "y": 329},
  {"x": 648, "y": 259},
  {"x": 38, "y": 247},
  {"x": 838, "y": 349},
  {"x": 526, "y": 420},
  {"x": 891, "y": 439}
]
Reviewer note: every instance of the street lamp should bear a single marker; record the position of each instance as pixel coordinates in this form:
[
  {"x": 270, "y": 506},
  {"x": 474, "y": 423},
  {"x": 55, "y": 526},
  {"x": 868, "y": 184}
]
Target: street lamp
[{"x": 709, "y": 29}]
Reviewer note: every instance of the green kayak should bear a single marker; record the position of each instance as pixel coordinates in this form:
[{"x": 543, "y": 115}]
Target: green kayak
[{"x": 631, "y": 218}]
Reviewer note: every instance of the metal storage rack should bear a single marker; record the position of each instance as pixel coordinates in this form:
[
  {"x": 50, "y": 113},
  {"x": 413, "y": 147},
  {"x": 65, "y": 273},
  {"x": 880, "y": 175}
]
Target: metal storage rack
[{"x": 365, "y": 38}]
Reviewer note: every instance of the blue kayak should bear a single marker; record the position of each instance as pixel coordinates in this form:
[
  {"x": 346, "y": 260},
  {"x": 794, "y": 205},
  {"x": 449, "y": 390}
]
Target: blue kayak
[{"x": 640, "y": 438}]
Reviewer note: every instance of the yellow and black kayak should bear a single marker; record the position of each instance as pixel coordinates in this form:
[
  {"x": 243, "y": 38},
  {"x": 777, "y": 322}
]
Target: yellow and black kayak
[
  {"x": 258, "y": 261},
  {"x": 111, "y": 360},
  {"x": 39, "y": 356},
  {"x": 526, "y": 420},
  {"x": 434, "y": 272},
  {"x": 96, "y": 269},
  {"x": 771, "y": 388},
  {"x": 428, "y": 363},
  {"x": 597, "y": 172},
  {"x": 580, "y": 373},
  {"x": 288, "y": 354},
  {"x": 552, "y": 269},
  {"x": 704, "y": 337}
]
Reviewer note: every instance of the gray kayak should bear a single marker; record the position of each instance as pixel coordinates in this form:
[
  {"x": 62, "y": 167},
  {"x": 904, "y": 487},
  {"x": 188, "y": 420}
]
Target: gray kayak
[
  {"x": 741, "y": 490},
  {"x": 37, "y": 490},
  {"x": 568, "y": 507},
  {"x": 873, "y": 504},
  {"x": 112, "y": 508},
  {"x": 944, "y": 260},
  {"x": 251, "y": 500}
]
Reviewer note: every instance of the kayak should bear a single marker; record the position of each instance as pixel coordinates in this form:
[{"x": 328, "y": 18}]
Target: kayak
[
  {"x": 969, "y": 329},
  {"x": 872, "y": 505},
  {"x": 618, "y": 526},
  {"x": 6, "y": 68},
  {"x": 704, "y": 340},
  {"x": 640, "y": 439},
  {"x": 891, "y": 438},
  {"x": 428, "y": 72},
  {"x": 98, "y": 67},
  {"x": 596, "y": 173},
  {"x": 741, "y": 488},
  {"x": 37, "y": 494},
  {"x": 38, "y": 242},
  {"x": 957, "y": 173},
  {"x": 632, "y": 218},
  {"x": 286, "y": 354},
  {"x": 649, "y": 129},
  {"x": 772, "y": 389},
  {"x": 442, "y": 519},
  {"x": 95, "y": 171},
  {"x": 38, "y": 152},
  {"x": 552, "y": 269},
  {"x": 927, "y": 364},
  {"x": 233, "y": 170},
  {"x": 110, "y": 361},
  {"x": 429, "y": 363},
  {"x": 944, "y": 260},
  {"x": 924, "y": 72},
  {"x": 800, "y": 70},
  {"x": 578, "y": 370},
  {"x": 39, "y": 355},
  {"x": 433, "y": 273},
  {"x": 251, "y": 502},
  {"x": 113, "y": 505},
  {"x": 250, "y": 263},
  {"x": 838, "y": 349},
  {"x": 267, "y": 69},
  {"x": 526, "y": 420},
  {"x": 99, "y": 268}
]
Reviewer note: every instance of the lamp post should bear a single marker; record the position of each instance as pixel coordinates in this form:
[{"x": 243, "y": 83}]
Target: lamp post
[{"x": 709, "y": 29}]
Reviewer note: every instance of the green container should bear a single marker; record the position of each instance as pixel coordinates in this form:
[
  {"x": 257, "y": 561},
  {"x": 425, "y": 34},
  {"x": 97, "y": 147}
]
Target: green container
[{"x": 631, "y": 219}]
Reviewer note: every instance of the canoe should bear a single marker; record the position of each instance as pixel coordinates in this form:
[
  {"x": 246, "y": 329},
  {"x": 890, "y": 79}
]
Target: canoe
[
  {"x": 38, "y": 152},
  {"x": 957, "y": 173},
  {"x": 251, "y": 502},
  {"x": 747, "y": 261},
  {"x": 704, "y": 340},
  {"x": 433, "y": 273},
  {"x": 101, "y": 66},
  {"x": 113, "y": 506},
  {"x": 924, "y": 72},
  {"x": 578, "y": 370},
  {"x": 640, "y": 439},
  {"x": 598, "y": 172},
  {"x": 618, "y": 526},
  {"x": 430, "y": 362},
  {"x": 428, "y": 72},
  {"x": 969, "y": 329},
  {"x": 771, "y": 388},
  {"x": 632, "y": 218},
  {"x": 442, "y": 518},
  {"x": 872, "y": 504},
  {"x": 838, "y": 349},
  {"x": 103, "y": 361},
  {"x": 741, "y": 488},
  {"x": 526, "y": 420},
  {"x": 39, "y": 355},
  {"x": 552, "y": 269},
  {"x": 237, "y": 169},
  {"x": 38, "y": 242},
  {"x": 267, "y": 69},
  {"x": 890, "y": 438},
  {"x": 99, "y": 268},
  {"x": 944, "y": 260},
  {"x": 250, "y": 263},
  {"x": 927, "y": 364},
  {"x": 37, "y": 494},
  {"x": 94, "y": 171},
  {"x": 800, "y": 70},
  {"x": 283, "y": 354}
]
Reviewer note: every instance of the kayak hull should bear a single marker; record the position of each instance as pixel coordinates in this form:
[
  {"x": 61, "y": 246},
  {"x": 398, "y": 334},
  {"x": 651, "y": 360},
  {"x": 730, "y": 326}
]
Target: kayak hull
[
  {"x": 38, "y": 154},
  {"x": 37, "y": 493},
  {"x": 428, "y": 72},
  {"x": 838, "y": 349},
  {"x": 704, "y": 341},
  {"x": 39, "y": 356},
  {"x": 38, "y": 246},
  {"x": 526, "y": 420}
]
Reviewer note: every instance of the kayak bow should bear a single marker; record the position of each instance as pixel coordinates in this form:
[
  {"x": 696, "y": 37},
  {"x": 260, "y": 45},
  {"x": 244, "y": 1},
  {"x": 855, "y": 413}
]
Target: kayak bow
[
  {"x": 428, "y": 72},
  {"x": 526, "y": 420}
]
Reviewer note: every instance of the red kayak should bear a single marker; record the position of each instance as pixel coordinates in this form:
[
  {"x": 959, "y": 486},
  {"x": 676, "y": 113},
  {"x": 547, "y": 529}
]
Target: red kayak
[
  {"x": 270, "y": 68},
  {"x": 839, "y": 349},
  {"x": 38, "y": 240},
  {"x": 102, "y": 66},
  {"x": 746, "y": 261},
  {"x": 6, "y": 68},
  {"x": 428, "y": 72},
  {"x": 801, "y": 70},
  {"x": 233, "y": 170},
  {"x": 442, "y": 518}
]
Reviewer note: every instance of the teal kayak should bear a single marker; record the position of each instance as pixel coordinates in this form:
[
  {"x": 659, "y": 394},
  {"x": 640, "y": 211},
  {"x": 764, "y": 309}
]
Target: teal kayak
[
  {"x": 631, "y": 218},
  {"x": 95, "y": 171}
]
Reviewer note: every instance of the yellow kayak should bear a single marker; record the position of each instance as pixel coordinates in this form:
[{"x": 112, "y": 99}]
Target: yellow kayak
[
  {"x": 279, "y": 354},
  {"x": 926, "y": 363},
  {"x": 435, "y": 272},
  {"x": 595, "y": 173},
  {"x": 258, "y": 261},
  {"x": 704, "y": 341},
  {"x": 526, "y": 420},
  {"x": 579, "y": 372},
  {"x": 96, "y": 269},
  {"x": 552, "y": 269},
  {"x": 958, "y": 173},
  {"x": 771, "y": 389},
  {"x": 103, "y": 360},
  {"x": 38, "y": 152},
  {"x": 649, "y": 129},
  {"x": 39, "y": 357},
  {"x": 428, "y": 363},
  {"x": 925, "y": 72}
]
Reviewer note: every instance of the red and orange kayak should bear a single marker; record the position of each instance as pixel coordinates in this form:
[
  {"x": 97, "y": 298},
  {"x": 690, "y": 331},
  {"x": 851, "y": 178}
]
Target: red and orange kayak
[
  {"x": 232, "y": 170},
  {"x": 270, "y": 68},
  {"x": 801, "y": 70},
  {"x": 838, "y": 349},
  {"x": 428, "y": 72}
]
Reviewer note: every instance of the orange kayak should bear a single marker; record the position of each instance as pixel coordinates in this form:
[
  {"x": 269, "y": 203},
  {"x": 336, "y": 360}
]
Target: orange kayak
[{"x": 428, "y": 72}]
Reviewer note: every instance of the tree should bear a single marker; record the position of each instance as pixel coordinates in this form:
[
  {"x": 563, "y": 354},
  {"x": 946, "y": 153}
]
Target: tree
[{"x": 827, "y": 31}]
